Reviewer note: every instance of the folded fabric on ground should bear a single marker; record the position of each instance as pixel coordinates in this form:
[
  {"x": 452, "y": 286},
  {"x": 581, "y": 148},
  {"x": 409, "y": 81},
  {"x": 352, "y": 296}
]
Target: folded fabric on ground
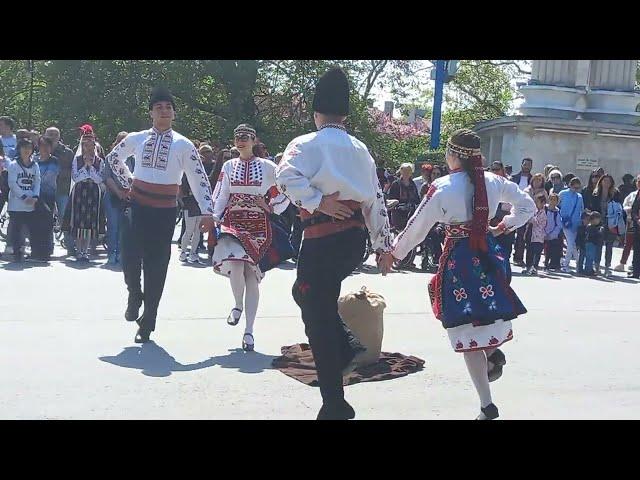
[{"x": 297, "y": 362}]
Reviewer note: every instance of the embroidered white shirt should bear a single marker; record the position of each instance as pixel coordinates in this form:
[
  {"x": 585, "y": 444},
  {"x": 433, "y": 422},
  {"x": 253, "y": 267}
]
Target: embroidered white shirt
[
  {"x": 162, "y": 158},
  {"x": 450, "y": 201},
  {"x": 85, "y": 173},
  {"x": 252, "y": 177},
  {"x": 329, "y": 161}
]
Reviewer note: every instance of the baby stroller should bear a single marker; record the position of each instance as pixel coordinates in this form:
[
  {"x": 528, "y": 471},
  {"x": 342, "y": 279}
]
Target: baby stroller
[
  {"x": 431, "y": 249},
  {"x": 399, "y": 214}
]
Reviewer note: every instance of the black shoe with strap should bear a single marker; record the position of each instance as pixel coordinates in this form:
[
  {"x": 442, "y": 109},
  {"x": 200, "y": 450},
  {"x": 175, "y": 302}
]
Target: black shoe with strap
[
  {"x": 248, "y": 347},
  {"x": 231, "y": 319},
  {"x": 498, "y": 360}
]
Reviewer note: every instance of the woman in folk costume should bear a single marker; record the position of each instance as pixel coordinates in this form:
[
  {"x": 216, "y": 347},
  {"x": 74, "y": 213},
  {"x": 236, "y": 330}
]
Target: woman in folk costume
[
  {"x": 243, "y": 198},
  {"x": 84, "y": 217},
  {"x": 470, "y": 294}
]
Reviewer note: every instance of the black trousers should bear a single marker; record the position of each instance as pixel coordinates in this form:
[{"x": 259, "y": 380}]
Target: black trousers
[
  {"x": 534, "y": 251},
  {"x": 554, "y": 253},
  {"x": 506, "y": 242},
  {"x": 323, "y": 264},
  {"x": 44, "y": 227},
  {"x": 635, "y": 264},
  {"x": 520, "y": 244},
  {"x": 296, "y": 235},
  {"x": 146, "y": 235},
  {"x": 17, "y": 223}
]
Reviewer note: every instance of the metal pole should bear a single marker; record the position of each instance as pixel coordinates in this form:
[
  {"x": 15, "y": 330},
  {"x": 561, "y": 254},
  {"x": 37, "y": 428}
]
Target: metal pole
[
  {"x": 437, "y": 104},
  {"x": 30, "y": 94}
]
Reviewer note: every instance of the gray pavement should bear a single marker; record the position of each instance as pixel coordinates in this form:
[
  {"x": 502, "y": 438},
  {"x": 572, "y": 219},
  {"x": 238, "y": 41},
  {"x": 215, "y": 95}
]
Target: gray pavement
[{"x": 67, "y": 353}]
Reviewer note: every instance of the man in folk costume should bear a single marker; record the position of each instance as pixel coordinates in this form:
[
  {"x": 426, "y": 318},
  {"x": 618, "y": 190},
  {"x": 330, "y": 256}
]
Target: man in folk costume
[
  {"x": 162, "y": 156},
  {"x": 331, "y": 177},
  {"x": 470, "y": 293}
]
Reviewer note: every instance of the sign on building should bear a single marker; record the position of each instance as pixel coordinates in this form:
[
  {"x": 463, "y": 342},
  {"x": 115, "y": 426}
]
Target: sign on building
[{"x": 586, "y": 164}]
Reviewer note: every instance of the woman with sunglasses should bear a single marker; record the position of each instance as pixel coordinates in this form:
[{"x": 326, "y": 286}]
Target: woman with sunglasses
[{"x": 246, "y": 235}]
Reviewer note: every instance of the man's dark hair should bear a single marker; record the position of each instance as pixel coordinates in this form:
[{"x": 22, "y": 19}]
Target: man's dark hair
[
  {"x": 23, "y": 142},
  {"x": 161, "y": 94},
  {"x": 46, "y": 140},
  {"x": 627, "y": 177},
  {"x": 9, "y": 121},
  {"x": 527, "y": 159},
  {"x": 595, "y": 215},
  {"x": 574, "y": 180}
]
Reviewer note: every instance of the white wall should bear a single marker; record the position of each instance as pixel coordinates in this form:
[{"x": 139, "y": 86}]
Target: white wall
[{"x": 616, "y": 155}]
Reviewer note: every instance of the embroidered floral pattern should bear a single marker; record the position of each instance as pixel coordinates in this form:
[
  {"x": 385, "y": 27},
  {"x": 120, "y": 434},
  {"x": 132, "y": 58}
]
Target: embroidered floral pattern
[
  {"x": 487, "y": 291},
  {"x": 460, "y": 294}
]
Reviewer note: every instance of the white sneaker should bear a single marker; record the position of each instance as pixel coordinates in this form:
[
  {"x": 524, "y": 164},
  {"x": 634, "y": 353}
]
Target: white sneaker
[
  {"x": 619, "y": 268},
  {"x": 184, "y": 256},
  {"x": 195, "y": 259}
]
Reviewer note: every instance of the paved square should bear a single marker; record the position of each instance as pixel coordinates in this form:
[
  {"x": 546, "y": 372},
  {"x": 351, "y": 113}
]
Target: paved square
[{"x": 66, "y": 351}]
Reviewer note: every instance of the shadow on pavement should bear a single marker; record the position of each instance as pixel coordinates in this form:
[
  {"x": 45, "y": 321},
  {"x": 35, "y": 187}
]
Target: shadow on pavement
[
  {"x": 153, "y": 361},
  {"x": 244, "y": 362},
  {"x": 288, "y": 265}
]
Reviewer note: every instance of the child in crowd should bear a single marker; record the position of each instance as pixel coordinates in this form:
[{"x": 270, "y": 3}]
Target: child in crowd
[
  {"x": 537, "y": 225},
  {"x": 553, "y": 230}
]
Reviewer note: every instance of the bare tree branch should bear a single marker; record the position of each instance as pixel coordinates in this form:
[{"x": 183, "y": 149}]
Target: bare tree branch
[
  {"x": 377, "y": 67},
  {"x": 505, "y": 63},
  {"x": 482, "y": 101}
]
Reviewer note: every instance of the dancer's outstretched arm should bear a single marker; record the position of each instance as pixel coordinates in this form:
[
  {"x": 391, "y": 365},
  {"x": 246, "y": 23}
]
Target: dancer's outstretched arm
[{"x": 428, "y": 213}]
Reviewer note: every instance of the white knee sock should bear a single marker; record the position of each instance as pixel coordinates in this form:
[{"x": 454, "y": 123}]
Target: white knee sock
[
  {"x": 237, "y": 282},
  {"x": 488, "y": 352},
  {"x": 251, "y": 298},
  {"x": 477, "y": 366}
]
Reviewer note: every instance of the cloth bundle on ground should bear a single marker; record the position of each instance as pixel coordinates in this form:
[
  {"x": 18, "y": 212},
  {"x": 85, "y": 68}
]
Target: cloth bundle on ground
[{"x": 297, "y": 362}]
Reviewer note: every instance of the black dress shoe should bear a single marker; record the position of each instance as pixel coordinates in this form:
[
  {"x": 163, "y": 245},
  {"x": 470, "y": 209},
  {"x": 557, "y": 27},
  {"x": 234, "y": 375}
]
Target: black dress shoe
[
  {"x": 341, "y": 411},
  {"x": 133, "y": 307},
  {"x": 142, "y": 336},
  {"x": 490, "y": 412}
]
